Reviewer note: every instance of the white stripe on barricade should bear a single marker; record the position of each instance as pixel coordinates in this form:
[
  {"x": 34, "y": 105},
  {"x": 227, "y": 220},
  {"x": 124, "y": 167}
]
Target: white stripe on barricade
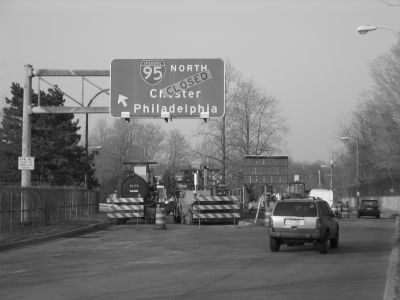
[
  {"x": 216, "y": 215},
  {"x": 126, "y": 208},
  {"x": 121, "y": 215},
  {"x": 127, "y": 200},
  {"x": 218, "y": 198},
  {"x": 216, "y": 207}
]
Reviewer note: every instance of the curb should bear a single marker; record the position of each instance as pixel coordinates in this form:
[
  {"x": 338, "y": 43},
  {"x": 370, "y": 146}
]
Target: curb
[
  {"x": 68, "y": 233},
  {"x": 391, "y": 287},
  {"x": 250, "y": 223}
]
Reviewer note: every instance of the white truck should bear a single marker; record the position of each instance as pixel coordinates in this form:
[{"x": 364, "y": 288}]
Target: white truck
[{"x": 323, "y": 194}]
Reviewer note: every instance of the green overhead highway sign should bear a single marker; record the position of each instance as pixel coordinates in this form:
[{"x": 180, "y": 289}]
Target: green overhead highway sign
[{"x": 182, "y": 88}]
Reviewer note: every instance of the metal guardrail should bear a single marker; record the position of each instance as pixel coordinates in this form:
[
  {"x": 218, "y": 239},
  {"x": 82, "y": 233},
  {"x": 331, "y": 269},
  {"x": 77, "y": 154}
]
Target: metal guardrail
[{"x": 22, "y": 208}]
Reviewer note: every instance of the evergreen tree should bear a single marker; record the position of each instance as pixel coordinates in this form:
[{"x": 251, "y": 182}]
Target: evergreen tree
[
  {"x": 59, "y": 160},
  {"x": 10, "y": 137}
]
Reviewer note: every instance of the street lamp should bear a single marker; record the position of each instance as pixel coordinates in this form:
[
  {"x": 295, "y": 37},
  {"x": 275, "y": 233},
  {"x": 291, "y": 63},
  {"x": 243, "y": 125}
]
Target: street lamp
[
  {"x": 319, "y": 178},
  {"x": 347, "y": 138},
  {"x": 364, "y": 29},
  {"x": 87, "y": 129},
  {"x": 87, "y": 119}
]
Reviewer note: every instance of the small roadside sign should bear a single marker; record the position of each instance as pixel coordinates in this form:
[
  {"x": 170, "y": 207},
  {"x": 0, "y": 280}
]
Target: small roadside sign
[
  {"x": 26, "y": 163},
  {"x": 181, "y": 88}
]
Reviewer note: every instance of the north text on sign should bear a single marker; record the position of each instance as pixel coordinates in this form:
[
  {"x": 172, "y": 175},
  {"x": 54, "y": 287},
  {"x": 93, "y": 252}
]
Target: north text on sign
[{"x": 188, "y": 68}]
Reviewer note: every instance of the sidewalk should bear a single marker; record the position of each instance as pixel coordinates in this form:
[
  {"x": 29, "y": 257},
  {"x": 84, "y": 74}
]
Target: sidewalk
[{"x": 41, "y": 234}]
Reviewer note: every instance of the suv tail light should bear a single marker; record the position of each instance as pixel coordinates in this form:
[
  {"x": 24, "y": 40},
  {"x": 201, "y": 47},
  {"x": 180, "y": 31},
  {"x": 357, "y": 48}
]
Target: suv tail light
[{"x": 318, "y": 223}]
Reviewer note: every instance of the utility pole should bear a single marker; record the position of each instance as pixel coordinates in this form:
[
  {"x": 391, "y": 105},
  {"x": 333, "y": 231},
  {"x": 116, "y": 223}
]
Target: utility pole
[
  {"x": 319, "y": 178},
  {"x": 26, "y": 124},
  {"x": 223, "y": 150},
  {"x": 26, "y": 140},
  {"x": 331, "y": 185}
]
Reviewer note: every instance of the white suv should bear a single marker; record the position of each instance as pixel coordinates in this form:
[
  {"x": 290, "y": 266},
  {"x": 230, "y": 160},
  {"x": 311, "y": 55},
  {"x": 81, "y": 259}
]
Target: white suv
[{"x": 299, "y": 221}]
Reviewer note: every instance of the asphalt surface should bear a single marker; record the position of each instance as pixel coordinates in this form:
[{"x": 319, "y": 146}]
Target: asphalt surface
[{"x": 99, "y": 222}]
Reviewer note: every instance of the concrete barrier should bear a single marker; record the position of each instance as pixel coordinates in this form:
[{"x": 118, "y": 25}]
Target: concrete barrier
[{"x": 388, "y": 204}]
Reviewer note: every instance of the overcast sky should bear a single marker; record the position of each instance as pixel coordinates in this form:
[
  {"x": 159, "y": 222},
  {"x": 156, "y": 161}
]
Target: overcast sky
[{"x": 306, "y": 53}]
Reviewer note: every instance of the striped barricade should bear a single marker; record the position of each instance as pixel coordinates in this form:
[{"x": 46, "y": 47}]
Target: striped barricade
[
  {"x": 126, "y": 208},
  {"x": 216, "y": 208}
]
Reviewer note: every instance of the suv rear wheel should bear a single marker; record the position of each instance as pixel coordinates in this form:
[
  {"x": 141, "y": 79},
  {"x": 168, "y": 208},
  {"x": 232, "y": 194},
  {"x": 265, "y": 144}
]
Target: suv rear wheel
[
  {"x": 274, "y": 244},
  {"x": 323, "y": 245},
  {"x": 334, "y": 243}
]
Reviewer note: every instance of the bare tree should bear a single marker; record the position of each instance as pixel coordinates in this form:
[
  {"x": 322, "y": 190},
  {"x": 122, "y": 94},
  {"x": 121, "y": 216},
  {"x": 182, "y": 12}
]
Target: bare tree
[
  {"x": 376, "y": 122},
  {"x": 118, "y": 142},
  {"x": 251, "y": 125},
  {"x": 216, "y": 135},
  {"x": 124, "y": 140},
  {"x": 177, "y": 151},
  {"x": 259, "y": 126},
  {"x": 149, "y": 141}
]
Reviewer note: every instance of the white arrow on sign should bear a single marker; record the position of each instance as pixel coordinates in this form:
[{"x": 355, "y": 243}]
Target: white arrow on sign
[{"x": 122, "y": 99}]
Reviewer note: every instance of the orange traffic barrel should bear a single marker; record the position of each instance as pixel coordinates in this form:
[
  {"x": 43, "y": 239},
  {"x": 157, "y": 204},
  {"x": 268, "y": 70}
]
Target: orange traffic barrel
[
  {"x": 160, "y": 218},
  {"x": 268, "y": 213}
]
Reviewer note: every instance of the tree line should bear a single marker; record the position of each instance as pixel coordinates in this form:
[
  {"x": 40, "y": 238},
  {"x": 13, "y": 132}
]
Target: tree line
[
  {"x": 370, "y": 136},
  {"x": 374, "y": 128},
  {"x": 252, "y": 125}
]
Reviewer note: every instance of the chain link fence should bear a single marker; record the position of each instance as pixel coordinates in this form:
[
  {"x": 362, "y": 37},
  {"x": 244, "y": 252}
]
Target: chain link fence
[{"x": 22, "y": 208}]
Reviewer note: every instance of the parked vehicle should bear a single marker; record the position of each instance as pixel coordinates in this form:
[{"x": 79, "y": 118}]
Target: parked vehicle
[
  {"x": 369, "y": 207},
  {"x": 323, "y": 194},
  {"x": 300, "y": 221}
]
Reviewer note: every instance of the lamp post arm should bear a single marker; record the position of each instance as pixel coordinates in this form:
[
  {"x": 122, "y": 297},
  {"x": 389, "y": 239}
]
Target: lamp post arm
[
  {"x": 97, "y": 94},
  {"x": 389, "y": 29},
  {"x": 364, "y": 29}
]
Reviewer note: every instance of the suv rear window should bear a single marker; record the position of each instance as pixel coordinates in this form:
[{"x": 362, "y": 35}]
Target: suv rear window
[{"x": 295, "y": 209}]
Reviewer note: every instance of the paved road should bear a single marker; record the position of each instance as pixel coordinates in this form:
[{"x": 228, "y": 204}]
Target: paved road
[{"x": 185, "y": 262}]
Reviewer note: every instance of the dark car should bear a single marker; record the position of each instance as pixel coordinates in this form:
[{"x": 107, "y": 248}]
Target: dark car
[{"x": 369, "y": 207}]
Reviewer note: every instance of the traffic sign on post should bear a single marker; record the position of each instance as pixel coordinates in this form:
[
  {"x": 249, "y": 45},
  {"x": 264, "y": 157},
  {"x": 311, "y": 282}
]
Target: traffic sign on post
[
  {"x": 26, "y": 163},
  {"x": 183, "y": 88}
]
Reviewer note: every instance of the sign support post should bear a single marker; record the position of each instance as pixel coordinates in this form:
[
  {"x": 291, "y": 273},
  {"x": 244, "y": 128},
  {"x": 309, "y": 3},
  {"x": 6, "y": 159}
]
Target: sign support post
[
  {"x": 26, "y": 141},
  {"x": 26, "y": 124}
]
